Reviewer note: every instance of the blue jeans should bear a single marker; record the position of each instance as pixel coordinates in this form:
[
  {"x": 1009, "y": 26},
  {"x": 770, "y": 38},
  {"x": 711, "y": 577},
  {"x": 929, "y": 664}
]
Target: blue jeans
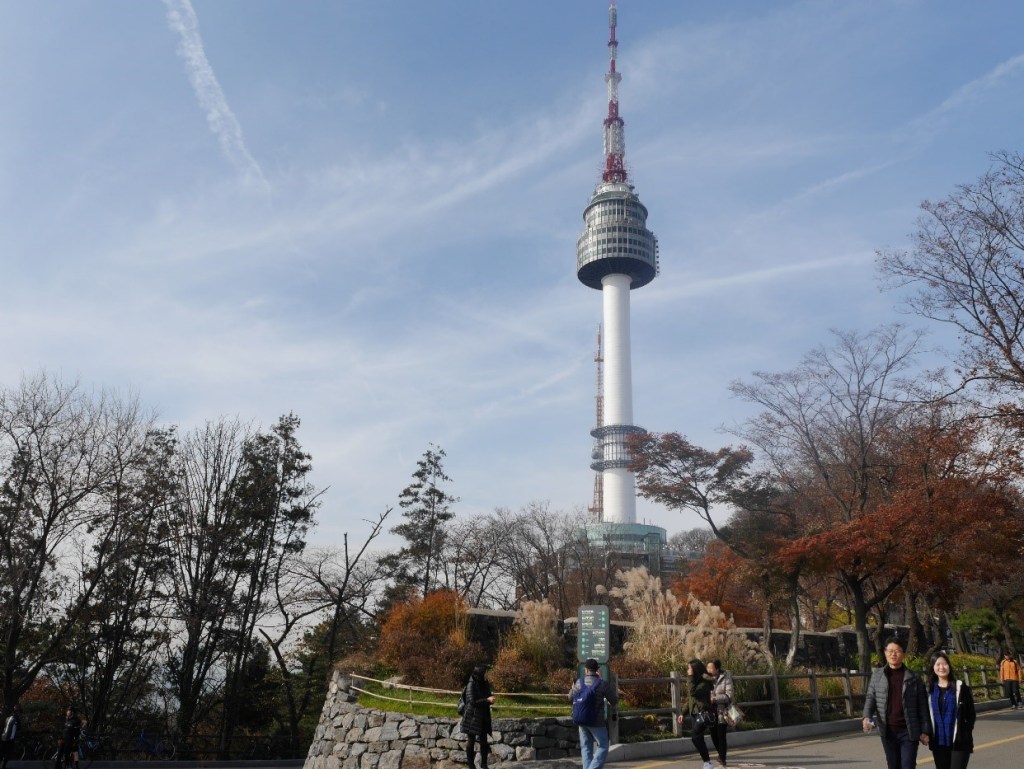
[
  {"x": 589, "y": 737},
  {"x": 900, "y": 750}
]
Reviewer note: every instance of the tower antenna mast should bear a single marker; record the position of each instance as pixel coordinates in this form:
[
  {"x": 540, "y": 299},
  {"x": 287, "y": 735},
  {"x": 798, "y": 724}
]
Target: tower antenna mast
[{"x": 614, "y": 128}]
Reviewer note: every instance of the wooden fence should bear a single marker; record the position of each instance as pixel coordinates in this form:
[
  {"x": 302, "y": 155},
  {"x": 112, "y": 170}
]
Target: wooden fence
[
  {"x": 811, "y": 694},
  {"x": 767, "y": 698}
]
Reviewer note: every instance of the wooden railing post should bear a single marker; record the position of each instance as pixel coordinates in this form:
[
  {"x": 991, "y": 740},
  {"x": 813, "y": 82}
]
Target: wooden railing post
[
  {"x": 776, "y": 702},
  {"x": 815, "y": 703},
  {"x": 613, "y": 714},
  {"x": 848, "y": 691},
  {"x": 677, "y": 703}
]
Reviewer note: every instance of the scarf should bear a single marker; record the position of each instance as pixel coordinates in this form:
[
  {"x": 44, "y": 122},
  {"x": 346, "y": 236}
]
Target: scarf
[{"x": 944, "y": 708}]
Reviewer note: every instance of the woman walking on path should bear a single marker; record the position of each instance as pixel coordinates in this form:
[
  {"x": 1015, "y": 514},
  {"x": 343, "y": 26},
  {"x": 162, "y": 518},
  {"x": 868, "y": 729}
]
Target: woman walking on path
[
  {"x": 722, "y": 693},
  {"x": 951, "y": 707},
  {"x": 701, "y": 710},
  {"x": 476, "y": 721}
]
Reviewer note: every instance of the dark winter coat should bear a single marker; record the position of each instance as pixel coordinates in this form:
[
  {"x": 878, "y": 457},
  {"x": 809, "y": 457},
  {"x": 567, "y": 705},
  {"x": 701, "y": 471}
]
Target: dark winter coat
[
  {"x": 477, "y": 718},
  {"x": 700, "y": 695},
  {"x": 963, "y": 730},
  {"x": 915, "y": 702}
]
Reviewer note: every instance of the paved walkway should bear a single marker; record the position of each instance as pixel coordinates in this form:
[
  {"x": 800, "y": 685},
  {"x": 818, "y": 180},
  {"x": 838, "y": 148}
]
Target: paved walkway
[{"x": 998, "y": 737}]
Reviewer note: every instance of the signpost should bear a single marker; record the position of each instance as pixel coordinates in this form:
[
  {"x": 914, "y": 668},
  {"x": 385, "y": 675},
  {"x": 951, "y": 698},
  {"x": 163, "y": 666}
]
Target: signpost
[{"x": 592, "y": 633}]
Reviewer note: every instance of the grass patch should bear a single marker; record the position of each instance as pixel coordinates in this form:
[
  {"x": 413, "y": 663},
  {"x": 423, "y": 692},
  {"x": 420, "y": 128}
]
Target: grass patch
[{"x": 384, "y": 697}]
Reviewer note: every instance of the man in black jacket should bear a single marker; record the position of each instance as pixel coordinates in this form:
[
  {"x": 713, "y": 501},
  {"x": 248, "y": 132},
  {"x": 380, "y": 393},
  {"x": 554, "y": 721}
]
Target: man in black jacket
[{"x": 896, "y": 702}]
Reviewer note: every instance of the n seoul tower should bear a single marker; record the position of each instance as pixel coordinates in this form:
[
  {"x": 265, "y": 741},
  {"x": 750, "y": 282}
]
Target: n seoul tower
[{"x": 615, "y": 254}]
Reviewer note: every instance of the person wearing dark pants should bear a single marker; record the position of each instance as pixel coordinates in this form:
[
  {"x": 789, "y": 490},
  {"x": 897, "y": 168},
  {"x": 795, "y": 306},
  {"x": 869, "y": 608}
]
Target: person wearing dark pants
[
  {"x": 67, "y": 754},
  {"x": 701, "y": 710},
  {"x": 476, "y": 721},
  {"x": 1009, "y": 677},
  {"x": 897, "y": 702},
  {"x": 722, "y": 694},
  {"x": 951, "y": 708}
]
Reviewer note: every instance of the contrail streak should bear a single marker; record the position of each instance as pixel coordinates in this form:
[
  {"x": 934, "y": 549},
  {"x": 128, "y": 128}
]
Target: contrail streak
[{"x": 182, "y": 19}]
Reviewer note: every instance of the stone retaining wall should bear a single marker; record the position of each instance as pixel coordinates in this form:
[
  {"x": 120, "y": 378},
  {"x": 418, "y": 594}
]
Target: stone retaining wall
[{"x": 352, "y": 737}]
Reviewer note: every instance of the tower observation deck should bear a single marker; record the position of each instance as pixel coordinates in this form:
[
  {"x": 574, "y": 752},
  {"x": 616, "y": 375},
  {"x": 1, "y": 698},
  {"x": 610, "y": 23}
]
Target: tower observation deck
[{"x": 615, "y": 254}]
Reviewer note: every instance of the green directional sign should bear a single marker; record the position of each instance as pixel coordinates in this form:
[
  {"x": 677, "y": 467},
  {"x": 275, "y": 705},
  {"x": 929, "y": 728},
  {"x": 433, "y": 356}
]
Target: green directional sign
[{"x": 592, "y": 624}]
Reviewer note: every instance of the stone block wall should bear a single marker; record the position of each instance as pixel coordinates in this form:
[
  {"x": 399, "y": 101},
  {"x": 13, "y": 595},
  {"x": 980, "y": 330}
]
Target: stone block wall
[{"x": 351, "y": 737}]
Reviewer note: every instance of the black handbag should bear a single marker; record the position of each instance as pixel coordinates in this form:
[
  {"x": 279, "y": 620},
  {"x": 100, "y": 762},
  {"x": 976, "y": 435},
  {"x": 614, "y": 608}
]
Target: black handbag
[
  {"x": 461, "y": 707},
  {"x": 705, "y": 718}
]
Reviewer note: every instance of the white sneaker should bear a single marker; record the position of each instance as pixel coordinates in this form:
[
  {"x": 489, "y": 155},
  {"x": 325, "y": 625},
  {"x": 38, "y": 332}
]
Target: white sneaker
[{"x": 708, "y": 765}]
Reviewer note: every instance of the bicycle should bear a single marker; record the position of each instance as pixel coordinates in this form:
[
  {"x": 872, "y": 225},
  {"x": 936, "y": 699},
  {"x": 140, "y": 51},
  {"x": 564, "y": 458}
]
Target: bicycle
[
  {"x": 155, "y": 747},
  {"x": 38, "y": 748},
  {"x": 89, "y": 746}
]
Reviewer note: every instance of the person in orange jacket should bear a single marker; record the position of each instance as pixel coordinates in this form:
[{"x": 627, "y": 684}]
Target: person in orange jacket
[{"x": 1009, "y": 677}]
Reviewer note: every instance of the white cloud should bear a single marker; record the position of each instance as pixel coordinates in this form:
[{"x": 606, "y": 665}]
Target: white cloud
[{"x": 181, "y": 17}]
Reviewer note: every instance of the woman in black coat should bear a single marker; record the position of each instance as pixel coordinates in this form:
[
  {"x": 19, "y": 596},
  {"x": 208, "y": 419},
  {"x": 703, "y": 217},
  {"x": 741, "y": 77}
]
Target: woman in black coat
[
  {"x": 951, "y": 707},
  {"x": 700, "y": 704},
  {"x": 476, "y": 721}
]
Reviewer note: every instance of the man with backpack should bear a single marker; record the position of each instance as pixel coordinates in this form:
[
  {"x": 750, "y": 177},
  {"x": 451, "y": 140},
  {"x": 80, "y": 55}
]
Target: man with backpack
[{"x": 588, "y": 696}]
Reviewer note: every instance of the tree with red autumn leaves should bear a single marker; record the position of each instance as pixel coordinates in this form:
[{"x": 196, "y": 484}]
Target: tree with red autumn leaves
[
  {"x": 893, "y": 484},
  {"x": 723, "y": 485},
  {"x": 862, "y": 476},
  {"x": 721, "y": 578}
]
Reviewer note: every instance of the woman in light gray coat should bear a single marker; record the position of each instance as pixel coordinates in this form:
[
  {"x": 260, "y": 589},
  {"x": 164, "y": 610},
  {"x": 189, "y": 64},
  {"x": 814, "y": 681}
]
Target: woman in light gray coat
[{"x": 722, "y": 694}]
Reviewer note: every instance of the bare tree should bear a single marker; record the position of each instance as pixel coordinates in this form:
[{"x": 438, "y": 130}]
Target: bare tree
[
  {"x": 341, "y": 583},
  {"x": 471, "y": 563},
  {"x": 63, "y": 452},
  {"x": 549, "y": 558},
  {"x": 691, "y": 541},
  {"x": 111, "y": 657},
  {"x": 967, "y": 264},
  {"x": 203, "y": 539},
  {"x": 820, "y": 429}
]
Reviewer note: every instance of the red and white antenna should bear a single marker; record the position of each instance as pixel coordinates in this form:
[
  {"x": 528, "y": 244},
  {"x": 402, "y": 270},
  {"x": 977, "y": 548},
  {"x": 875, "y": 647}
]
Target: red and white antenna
[{"x": 614, "y": 135}]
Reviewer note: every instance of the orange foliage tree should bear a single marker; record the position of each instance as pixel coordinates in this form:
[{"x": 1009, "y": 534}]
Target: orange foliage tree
[
  {"x": 722, "y": 578},
  {"x": 427, "y": 641}
]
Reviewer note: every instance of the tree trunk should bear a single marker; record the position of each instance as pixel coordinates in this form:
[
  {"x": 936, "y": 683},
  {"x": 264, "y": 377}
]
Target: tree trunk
[
  {"x": 960, "y": 644},
  {"x": 794, "y": 624},
  {"x": 916, "y": 640},
  {"x": 860, "y": 623}
]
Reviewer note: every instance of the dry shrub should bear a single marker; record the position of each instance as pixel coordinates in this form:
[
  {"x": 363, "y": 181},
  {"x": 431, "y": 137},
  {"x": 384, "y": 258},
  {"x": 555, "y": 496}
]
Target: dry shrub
[
  {"x": 536, "y": 633},
  {"x": 445, "y": 667},
  {"x": 641, "y": 695},
  {"x": 560, "y": 681},
  {"x": 427, "y": 641},
  {"x": 511, "y": 671},
  {"x": 531, "y": 651},
  {"x": 666, "y": 635},
  {"x": 711, "y": 634},
  {"x": 361, "y": 663}
]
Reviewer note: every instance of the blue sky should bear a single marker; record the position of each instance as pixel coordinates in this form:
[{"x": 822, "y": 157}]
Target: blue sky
[{"x": 365, "y": 212}]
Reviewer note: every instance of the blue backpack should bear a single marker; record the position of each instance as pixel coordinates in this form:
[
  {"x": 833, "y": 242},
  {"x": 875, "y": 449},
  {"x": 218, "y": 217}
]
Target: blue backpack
[{"x": 585, "y": 705}]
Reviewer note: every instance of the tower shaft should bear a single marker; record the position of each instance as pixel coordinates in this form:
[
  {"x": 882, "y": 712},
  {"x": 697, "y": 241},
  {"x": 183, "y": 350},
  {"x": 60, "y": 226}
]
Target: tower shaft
[
  {"x": 619, "y": 484},
  {"x": 615, "y": 254}
]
